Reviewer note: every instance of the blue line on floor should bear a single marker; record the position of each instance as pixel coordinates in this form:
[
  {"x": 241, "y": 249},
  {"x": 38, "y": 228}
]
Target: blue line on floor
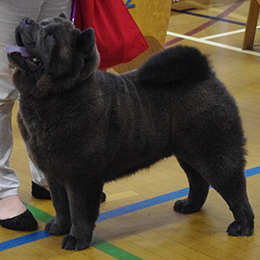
[
  {"x": 157, "y": 200},
  {"x": 115, "y": 213},
  {"x": 143, "y": 204},
  {"x": 252, "y": 171},
  {"x": 23, "y": 240}
]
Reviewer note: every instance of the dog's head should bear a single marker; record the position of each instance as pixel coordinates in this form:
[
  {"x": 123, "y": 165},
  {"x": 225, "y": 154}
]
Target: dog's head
[{"x": 54, "y": 51}]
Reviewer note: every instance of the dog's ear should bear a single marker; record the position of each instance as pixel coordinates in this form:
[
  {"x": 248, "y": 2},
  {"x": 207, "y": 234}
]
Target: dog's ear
[
  {"x": 86, "y": 46},
  {"x": 62, "y": 15},
  {"x": 87, "y": 41}
]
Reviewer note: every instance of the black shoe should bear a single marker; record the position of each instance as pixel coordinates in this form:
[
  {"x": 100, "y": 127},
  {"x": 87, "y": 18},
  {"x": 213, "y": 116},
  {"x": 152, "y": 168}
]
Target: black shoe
[
  {"x": 22, "y": 222},
  {"x": 39, "y": 192},
  {"x": 103, "y": 197}
]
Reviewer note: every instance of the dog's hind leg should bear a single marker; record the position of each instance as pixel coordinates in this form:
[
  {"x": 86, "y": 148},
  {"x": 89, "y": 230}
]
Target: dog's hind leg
[
  {"x": 229, "y": 181},
  {"x": 198, "y": 192},
  {"x": 244, "y": 217},
  {"x": 232, "y": 187}
]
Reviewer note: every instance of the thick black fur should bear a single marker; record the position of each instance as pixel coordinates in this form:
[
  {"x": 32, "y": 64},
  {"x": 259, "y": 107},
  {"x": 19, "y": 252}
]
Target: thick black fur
[{"x": 84, "y": 127}]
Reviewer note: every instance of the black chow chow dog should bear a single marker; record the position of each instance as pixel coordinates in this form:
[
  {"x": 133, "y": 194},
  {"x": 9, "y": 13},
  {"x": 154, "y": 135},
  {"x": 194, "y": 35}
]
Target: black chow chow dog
[{"x": 84, "y": 127}]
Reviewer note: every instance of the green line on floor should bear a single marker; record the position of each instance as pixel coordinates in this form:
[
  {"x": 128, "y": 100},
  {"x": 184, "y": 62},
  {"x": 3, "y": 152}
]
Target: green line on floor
[{"x": 97, "y": 243}]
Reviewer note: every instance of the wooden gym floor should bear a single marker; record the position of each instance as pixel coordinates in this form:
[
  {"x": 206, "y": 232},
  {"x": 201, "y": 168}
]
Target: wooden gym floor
[{"x": 137, "y": 220}]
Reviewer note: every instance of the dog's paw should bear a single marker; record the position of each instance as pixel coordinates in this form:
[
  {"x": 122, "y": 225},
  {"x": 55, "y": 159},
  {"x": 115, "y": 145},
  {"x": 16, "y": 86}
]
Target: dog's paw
[
  {"x": 54, "y": 229},
  {"x": 236, "y": 229},
  {"x": 178, "y": 206},
  {"x": 72, "y": 243},
  {"x": 184, "y": 207}
]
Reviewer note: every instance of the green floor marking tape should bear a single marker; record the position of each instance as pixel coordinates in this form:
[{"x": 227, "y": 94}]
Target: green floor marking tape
[
  {"x": 112, "y": 250},
  {"x": 98, "y": 243},
  {"x": 39, "y": 214}
]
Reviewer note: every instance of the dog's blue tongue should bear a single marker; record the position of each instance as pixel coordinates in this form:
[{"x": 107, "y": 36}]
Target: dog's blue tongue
[{"x": 17, "y": 49}]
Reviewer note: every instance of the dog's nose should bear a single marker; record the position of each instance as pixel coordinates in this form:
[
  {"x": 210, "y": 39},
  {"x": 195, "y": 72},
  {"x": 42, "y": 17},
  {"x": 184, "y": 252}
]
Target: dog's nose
[{"x": 27, "y": 21}]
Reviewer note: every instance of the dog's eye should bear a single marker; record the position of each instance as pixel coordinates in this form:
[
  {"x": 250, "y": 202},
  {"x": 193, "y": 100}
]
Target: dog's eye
[{"x": 51, "y": 36}]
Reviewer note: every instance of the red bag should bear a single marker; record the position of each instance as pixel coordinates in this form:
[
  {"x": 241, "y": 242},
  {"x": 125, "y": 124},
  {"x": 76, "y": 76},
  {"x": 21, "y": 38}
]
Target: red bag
[{"x": 118, "y": 37}]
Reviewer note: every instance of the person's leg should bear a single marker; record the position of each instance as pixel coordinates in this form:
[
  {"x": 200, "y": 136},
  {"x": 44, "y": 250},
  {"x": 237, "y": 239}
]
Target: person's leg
[
  {"x": 11, "y": 13},
  {"x": 10, "y": 204},
  {"x": 13, "y": 213}
]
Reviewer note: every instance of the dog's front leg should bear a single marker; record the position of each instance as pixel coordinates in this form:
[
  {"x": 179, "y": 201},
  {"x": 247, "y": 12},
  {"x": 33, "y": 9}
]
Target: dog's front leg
[
  {"x": 84, "y": 199},
  {"x": 61, "y": 224}
]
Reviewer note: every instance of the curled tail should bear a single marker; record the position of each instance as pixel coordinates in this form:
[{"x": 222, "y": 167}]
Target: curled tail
[{"x": 176, "y": 64}]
